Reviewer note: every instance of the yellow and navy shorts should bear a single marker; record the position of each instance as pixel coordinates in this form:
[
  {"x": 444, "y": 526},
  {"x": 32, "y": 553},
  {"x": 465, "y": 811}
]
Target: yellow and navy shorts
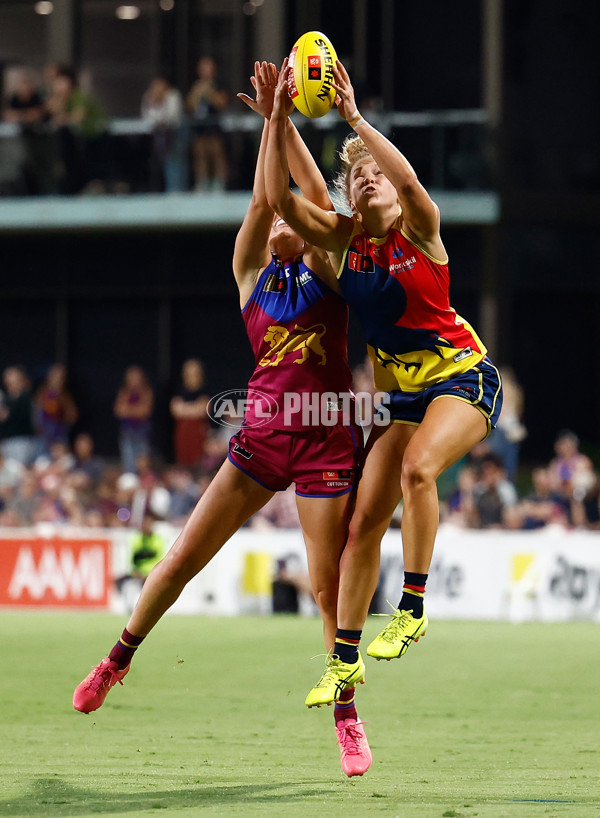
[{"x": 481, "y": 386}]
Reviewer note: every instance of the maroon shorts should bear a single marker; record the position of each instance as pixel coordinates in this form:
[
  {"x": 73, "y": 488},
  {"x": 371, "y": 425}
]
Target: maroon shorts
[{"x": 322, "y": 462}]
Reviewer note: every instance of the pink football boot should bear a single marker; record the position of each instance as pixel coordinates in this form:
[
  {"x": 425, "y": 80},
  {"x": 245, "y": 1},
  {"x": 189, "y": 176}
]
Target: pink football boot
[
  {"x": 90, "y": 694},
  {"x": 354, "y": 747}
]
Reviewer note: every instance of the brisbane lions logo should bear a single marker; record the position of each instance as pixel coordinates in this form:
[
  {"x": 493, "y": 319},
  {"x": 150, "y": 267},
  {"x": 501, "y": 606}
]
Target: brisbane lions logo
[{"x": 301, "y": 340}]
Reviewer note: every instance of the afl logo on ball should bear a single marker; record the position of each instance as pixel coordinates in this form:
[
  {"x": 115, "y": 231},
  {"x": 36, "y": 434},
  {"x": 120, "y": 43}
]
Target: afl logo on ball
[{"x": 314, "y": 68}]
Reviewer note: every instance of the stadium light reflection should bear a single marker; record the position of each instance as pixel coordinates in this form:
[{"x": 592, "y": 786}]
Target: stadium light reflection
[
  {"x": 127, "y": 12},
  {"x": 44, "y": 7}
]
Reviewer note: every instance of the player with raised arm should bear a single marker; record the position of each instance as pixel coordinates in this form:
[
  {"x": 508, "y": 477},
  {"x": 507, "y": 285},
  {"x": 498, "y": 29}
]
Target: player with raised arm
[
  {"x": 444, "y": 393},
  {"x": 298, "y": 331}
]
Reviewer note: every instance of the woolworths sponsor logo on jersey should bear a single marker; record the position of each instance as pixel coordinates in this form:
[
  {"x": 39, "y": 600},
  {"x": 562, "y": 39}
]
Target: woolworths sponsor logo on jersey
[{"x": 407, "y": 264}]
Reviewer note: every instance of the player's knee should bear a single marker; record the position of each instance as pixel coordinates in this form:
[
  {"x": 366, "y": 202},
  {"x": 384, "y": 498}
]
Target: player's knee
[
  {"x": 416, "y": 475},
  {"x": 361, "y": 532},
  {"x": 326, "y": 599}
]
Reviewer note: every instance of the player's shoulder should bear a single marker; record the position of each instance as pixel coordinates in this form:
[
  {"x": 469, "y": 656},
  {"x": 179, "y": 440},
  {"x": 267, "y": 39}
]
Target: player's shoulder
[
  {"x": 318, "y": 262},
  {"x": 354, "y": 227}
]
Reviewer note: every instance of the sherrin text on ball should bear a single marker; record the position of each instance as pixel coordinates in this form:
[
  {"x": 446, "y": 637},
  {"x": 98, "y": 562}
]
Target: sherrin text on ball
[{"x": 310, "y": 79}]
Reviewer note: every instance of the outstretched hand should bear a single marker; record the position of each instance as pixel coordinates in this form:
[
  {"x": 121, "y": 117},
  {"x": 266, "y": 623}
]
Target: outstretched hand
[
  {"x": 283, "y": 105},
  {"x": 264, "y": 83},
  {"x": 346, "y": 104}
]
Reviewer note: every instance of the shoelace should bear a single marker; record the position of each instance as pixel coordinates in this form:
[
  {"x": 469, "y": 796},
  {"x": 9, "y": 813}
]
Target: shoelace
[
  {"x": 393, "y": 628},
  {"x": 351, "y": 738},
  {"x": 329, "y": 674},
  {"x": 99, "y": 679}
]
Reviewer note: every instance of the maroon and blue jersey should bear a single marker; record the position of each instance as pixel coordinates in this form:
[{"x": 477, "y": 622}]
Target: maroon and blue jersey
[
  {"x": 297, "y": 328},
  {"x": 400, "y": 294}
]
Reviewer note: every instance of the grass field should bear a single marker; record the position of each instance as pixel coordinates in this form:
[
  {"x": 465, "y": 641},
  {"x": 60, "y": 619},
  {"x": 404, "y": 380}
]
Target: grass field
[{"x": 478, "y": 719}]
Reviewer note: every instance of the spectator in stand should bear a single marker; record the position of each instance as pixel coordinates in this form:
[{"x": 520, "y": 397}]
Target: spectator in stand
[
  {"x": 162, "y": 108},
  {"x": 24, "y": 502},
  {"x": 55, "y": 410},
  {"x": 48, "y": 506},
  {"x": 542, "y": 507},
  {"x": 493, "y": 493},
  {"x": 184, "y": 494},
  {"x": 72, "y": 506},
  {"x": 461, "y": 508},
  {"x": 147, "y": 549},
  {"x": 205, "y": 102},
  {"x": 569, "y": 464},
  {"x": 104, "y": 505},
  {"x": 133, "y": 407},
  {"x": 189, "y": 410},
  {"x": 573, "y": 475},
  {"x": 56, "y": 499},
  {"x": 17, "y": 439},
  {"x": 58, "y": 460},
  {"x": 147, "y": 476},
  {"x": 128, "y": 499},
  {"x": 216, "y": 447},
  {"x": 26, "y": 108},
  {"x": 505, "y": 440},
  {"x": 585, "y": 503},
  {"x": 291, "y": 581},
  {"x": 11, "y": 472},
  {"x": 79, "y": 124},
  {"x": 86, "y": 461}
]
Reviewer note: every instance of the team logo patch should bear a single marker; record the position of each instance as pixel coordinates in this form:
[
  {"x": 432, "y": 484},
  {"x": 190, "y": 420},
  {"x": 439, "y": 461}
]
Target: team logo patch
[
  {"x": 237, "y": 449},
  {"x": 303, "y": 340},
  {"x": 360, "y": 263},
  {"x": 314, "y": 68}
]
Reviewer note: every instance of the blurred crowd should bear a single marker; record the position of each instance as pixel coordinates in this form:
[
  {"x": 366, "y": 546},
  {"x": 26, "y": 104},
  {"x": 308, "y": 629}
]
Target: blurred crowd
[
  {"x": 564, "y": 491},
  {"x": 50, "y": 471},
  {"x": 64, "y": 144}
]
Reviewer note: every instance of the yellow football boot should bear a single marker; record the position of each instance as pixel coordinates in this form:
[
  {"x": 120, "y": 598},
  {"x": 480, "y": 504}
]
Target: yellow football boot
[
  {"x": 337, "y": 677},
  {"x": 398, "y": 635}
]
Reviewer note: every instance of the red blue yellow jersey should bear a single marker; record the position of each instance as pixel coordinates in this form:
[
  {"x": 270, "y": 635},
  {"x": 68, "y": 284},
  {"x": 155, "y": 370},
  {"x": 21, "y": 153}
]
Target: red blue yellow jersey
[
  {"x": 400, "y": 295},
  {"x": 298, "y": 329}
]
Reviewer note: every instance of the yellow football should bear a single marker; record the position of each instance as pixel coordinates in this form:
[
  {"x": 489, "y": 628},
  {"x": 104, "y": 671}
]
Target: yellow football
[{"x": 310, "y": 79}]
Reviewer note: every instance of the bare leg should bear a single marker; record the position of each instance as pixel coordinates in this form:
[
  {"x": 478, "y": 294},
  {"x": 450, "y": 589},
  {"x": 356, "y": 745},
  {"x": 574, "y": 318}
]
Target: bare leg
[
  {"x": 325, "y": 526},
  {"x": 402, "y": 461},
  {"x": 449, "y": 430},
  {"x": 379, "y": 492},
  {"x": 231, "y": 498}
]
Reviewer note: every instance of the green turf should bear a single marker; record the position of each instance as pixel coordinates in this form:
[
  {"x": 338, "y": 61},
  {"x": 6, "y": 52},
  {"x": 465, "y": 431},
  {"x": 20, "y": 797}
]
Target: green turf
[{"x": 478, "y": 719}]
